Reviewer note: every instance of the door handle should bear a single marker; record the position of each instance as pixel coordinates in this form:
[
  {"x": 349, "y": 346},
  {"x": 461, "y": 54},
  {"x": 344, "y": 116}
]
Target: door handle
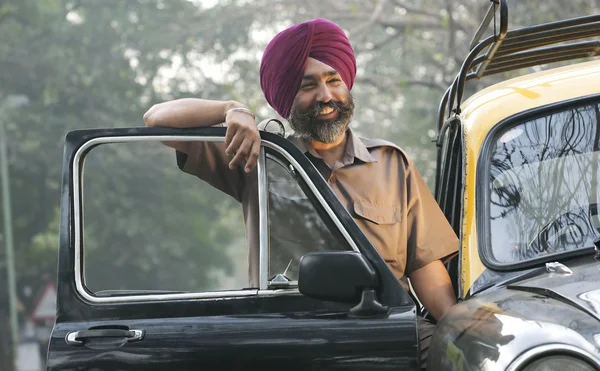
[{"x": 78, "y": 337}]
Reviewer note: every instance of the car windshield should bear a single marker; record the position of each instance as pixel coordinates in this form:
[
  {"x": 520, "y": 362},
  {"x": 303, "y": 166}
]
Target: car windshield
[{"x": 543, "y": 185}]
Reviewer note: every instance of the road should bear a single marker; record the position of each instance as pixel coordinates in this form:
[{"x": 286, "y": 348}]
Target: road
[{"x": 28, "y": 357}]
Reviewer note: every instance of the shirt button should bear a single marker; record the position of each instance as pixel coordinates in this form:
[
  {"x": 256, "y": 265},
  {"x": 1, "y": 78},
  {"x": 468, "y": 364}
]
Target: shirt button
[{"x": 332, "y": 179}]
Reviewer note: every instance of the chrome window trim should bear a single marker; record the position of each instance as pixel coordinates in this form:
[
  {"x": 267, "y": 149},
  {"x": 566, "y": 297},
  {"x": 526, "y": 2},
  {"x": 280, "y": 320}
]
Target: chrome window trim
[
  {"x": 279, "y": 292},
  {"x": 263, "y": 223},
  {"x": 540, "y": 351}
]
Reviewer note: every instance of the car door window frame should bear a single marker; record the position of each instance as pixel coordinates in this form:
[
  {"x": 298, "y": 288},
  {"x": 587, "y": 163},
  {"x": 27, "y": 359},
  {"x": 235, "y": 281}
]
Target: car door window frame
[
  {"x": 284, "y": 159},
  {"x": 450, "y": 187},
  {"x": 263, "y": 289}
]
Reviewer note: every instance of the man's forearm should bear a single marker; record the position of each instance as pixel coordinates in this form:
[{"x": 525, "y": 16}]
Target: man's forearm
[
  {"x": 242, "y": 140},
  {"x": 189, "y": 112},
  {"x": 433, "y": 288}
]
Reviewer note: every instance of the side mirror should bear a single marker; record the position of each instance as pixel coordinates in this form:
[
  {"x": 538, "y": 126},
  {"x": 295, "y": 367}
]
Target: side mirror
[{"x": 342, "y": 277}]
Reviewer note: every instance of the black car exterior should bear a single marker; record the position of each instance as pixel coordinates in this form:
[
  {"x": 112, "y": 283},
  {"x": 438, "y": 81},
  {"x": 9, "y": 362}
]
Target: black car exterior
[{"x": 259, "y": 328}]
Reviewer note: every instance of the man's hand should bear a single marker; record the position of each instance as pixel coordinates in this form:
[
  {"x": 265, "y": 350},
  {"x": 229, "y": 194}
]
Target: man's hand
[
  {"x": 433, "y": 288},
  {"x": 242, "y": 140}
]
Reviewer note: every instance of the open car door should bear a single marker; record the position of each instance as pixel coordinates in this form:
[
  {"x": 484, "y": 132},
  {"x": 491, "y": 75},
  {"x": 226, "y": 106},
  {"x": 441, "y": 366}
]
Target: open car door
[{"x": 156, "y": 270}]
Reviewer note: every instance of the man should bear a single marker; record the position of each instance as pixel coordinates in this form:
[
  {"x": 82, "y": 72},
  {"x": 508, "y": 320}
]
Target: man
[{"x": 306, "y": 74}]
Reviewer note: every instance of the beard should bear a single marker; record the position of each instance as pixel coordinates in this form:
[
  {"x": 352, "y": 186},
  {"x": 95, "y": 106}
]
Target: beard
[{"x": 308, "y": 127}]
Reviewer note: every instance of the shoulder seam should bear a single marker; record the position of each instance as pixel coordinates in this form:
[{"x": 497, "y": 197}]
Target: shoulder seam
[{"x": 374, "y": 143}]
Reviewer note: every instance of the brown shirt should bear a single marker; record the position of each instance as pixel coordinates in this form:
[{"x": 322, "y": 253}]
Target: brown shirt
[{"x": 375, "y": 181}]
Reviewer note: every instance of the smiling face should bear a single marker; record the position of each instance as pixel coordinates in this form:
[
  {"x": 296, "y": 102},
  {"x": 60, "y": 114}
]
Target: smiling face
[{"x": 323, "y": 106}]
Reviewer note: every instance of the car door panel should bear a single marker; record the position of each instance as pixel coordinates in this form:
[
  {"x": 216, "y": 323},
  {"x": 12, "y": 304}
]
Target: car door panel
[{"x": 303, "y": 340}]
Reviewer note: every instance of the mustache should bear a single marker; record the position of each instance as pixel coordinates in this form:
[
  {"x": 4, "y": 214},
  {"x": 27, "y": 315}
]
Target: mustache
[
  {"x": 318, "y": 106},
  {"x": 314, "y": 110}
]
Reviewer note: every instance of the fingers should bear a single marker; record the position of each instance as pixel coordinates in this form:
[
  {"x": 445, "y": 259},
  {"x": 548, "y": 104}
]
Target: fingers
[
  {"x": 245, "y": 147},
  {"x": 233, "y": 145},
  {"x": 253, "y": 156},
  {"x": 229, "y": 134},
  {"x": 242, "y": 140},
  {"x": 240, "y": 155}
]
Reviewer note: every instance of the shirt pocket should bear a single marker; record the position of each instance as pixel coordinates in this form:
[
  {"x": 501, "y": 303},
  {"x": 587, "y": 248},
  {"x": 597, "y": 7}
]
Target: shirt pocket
[
  {"x": 381, "y": 225},
  {"x": 377, "y": 214}
]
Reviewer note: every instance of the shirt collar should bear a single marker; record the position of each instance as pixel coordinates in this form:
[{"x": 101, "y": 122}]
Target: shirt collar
[{"x": 355, "y": 148}]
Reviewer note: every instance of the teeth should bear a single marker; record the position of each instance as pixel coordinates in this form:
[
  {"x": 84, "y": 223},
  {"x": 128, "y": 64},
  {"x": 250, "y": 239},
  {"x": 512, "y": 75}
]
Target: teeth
[{"x": 326, "y": 111}]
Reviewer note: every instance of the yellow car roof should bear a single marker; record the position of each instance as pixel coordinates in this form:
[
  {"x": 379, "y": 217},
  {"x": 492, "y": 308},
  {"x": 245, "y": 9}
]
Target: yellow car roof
[{"x": 487, "y": 107}]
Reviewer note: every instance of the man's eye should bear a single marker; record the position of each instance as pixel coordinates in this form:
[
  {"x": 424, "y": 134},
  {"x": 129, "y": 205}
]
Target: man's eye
[
  {"x": 306, "y": 86},
  {"x": 334, "y": 80}
]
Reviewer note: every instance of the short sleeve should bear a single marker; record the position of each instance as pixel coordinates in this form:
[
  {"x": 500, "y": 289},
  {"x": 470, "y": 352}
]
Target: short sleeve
[
  {"x": 430, "y": 236},
  {"x": 208, "y": 161}
]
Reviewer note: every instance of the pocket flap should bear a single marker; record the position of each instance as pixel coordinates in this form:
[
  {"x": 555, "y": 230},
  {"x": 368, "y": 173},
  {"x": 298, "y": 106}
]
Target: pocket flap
[{"x": 377, "y": 214}]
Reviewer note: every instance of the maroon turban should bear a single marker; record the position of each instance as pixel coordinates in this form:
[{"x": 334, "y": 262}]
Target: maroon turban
[{"x": 283, "y": 63}]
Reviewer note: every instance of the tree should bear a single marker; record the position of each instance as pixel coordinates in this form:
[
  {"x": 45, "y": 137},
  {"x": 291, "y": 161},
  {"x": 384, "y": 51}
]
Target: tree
[
  {"x": 80, "y": 65},
  {"x": 86, "y": 63}
]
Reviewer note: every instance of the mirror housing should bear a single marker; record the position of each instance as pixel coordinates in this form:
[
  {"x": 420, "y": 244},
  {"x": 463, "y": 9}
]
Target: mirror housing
[{"x": 336, "y": 276}]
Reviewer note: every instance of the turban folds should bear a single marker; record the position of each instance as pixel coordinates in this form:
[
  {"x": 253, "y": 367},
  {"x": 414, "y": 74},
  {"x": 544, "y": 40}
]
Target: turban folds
[{"x": 283, "y": 63}]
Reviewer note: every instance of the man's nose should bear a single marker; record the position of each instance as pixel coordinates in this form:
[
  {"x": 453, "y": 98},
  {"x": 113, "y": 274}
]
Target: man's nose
[{"x": 323, "y": 94}]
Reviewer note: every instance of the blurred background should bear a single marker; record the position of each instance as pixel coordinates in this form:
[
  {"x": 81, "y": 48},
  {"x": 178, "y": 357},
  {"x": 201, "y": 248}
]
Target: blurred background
[{"x": 68, "y": 64}]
